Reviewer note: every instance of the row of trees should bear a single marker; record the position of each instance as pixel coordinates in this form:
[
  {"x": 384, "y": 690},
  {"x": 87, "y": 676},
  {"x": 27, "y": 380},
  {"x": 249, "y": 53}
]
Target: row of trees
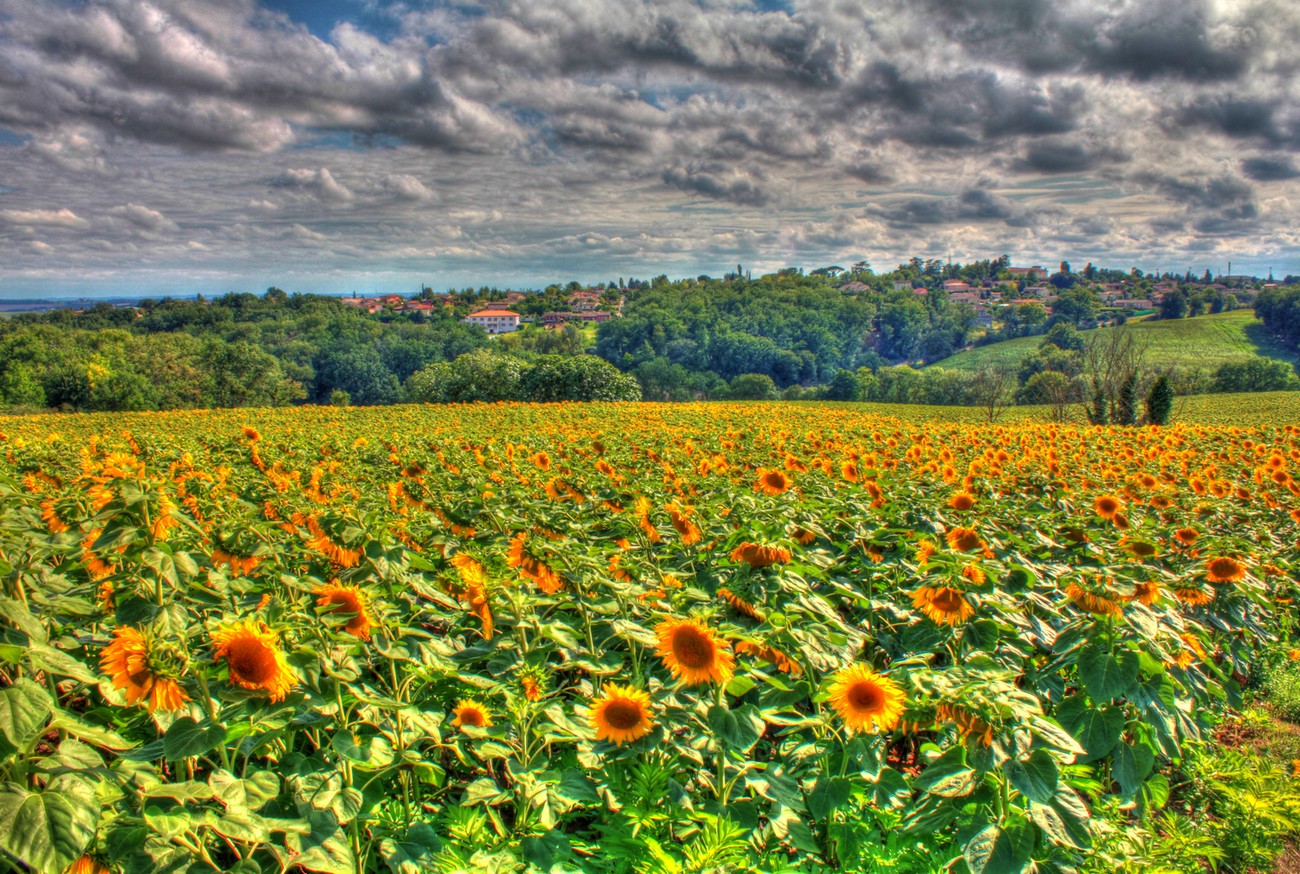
[{"x": 484, "y": 376}]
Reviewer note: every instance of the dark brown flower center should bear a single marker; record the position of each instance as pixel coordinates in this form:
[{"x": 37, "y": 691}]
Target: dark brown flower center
[
  {"x": 251, "y": 661},
  {"x": 866, "y": 697},
  {"x": 692, "y": 648},
  {"x": 623, "y": 714}
]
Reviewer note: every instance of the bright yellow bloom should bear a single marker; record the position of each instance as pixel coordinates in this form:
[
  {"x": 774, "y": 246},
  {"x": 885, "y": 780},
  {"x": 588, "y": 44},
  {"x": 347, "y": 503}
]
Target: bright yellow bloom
[
  {"x": 866, "y": 700},
  {"x": 621, "y": 714},
  {"x": 694, "y": 654},
  {"x": 254, "y": 658}
]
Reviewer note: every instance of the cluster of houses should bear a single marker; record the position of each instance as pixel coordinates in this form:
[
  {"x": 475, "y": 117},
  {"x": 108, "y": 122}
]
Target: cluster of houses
[{"x": 583, "y": 306}]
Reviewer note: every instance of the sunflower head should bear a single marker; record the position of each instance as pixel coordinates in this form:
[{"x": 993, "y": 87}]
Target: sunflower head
[
  {"x": 349, "y": 601},
  {"x": 254, "y": 658},
  {"x": 1224, "y": 569},
  {"x": 146, "y": 669},
  {"x": 693, "y": 653},
  {"x": 1107, "y": 506},
  {"x": 758, "y": 555},
  {"x": 962, "y": 501},
  {"x": 945, "y": 605},
  {"x": 469, "y": 712},
  {"x": 866, "y": 700},
  {"x": 964, "y": 539},
  {"x": 621, "y": 714},
  {"x": 772, "y": 482}
]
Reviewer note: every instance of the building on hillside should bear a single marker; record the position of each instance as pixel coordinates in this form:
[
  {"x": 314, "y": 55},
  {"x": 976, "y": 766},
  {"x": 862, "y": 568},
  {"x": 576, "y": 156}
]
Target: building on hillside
[
  {"x": 902, "y": 285},
  {"x": 1029, "y": 274},
  {"x": 971, "y": 297},
  {"x": 951, "y": 285},
  {"x": 1135, "y": 304},
  {"x": 856, "y": 287},
  {"x": 494, "y": 321}
]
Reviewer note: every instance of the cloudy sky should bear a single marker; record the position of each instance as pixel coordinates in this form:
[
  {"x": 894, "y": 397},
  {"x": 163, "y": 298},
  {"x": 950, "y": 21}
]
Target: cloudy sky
[{"x": 153, "y": 146}]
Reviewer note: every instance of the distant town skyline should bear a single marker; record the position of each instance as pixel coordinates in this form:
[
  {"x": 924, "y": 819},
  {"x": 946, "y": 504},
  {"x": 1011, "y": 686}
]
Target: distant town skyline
[{"x": 152, "y": 147}]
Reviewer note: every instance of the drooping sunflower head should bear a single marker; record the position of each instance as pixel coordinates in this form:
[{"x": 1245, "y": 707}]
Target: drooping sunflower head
[
  {"x": 760, "y": 555},
  {"x": 866, "y": 700},
  {"x": 962, "y": 501},
  {"x": 146, "y": 669},
  {"x": 88, "y": 865},
  {"x": 1097, "y": 599},
  {"x": 1186, "y": 536},
  {"x": 944, "y": 605},
  {"x": 469, "y": 712},
  {"x": 1224, "y": 569},
  {"x": 254, "y": 658},
  {"x": 621, "y": 714},
  {"x": 693, "y": 653},
  {"x": 964, "y": 539},
  {"x": 349, "y": 601}
]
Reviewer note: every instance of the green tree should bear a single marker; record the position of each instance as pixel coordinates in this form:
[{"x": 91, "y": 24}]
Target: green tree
[
  {"x": 577, "y": 378},
  {"x": 1160, "y": 401},
  {"x": 844, "y": 387},
  {"x": 752, "y": 387}
]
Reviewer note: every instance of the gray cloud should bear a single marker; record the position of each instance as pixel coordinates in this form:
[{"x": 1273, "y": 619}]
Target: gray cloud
[{"x": 199, "y": 137}]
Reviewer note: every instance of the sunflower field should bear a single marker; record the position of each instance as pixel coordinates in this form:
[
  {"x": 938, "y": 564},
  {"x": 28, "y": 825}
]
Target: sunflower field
[{"x": 619, "y": 638}]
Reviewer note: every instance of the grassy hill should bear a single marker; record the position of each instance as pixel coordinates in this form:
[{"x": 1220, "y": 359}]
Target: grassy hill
[
  {"x": 1245, "y": 410},
  {"x": 1203, "y": 341}
]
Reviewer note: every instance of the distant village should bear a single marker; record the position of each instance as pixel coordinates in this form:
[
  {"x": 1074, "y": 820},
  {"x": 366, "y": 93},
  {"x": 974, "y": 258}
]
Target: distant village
[{"x": 1133, "y": 294}]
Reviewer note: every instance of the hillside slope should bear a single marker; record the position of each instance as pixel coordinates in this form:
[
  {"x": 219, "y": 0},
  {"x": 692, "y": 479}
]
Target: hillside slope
[{"x": 1204, "y": 342}]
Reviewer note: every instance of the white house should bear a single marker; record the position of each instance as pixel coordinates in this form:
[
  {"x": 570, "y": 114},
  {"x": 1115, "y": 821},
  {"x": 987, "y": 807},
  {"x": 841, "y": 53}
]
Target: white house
[{"x": 494, "y": 321}]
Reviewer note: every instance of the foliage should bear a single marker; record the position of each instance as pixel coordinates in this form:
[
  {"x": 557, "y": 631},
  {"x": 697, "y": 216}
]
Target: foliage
[
  {"x": 1282, "y": 686},
  {"x": 1255, "y": 374}
]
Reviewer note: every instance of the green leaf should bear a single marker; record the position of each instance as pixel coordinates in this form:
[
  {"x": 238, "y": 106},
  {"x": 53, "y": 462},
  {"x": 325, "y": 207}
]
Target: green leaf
[
  {"x": 24, "y": 709},
  {"x": 948, "y": 776},
  {"x": 827, "y": 794},
  {"x": 47, "y": 831},
  {"x": 102, "y": 737},
  {"x": 373, "y": 754},
  {"x": 1107, "y": 676},
  {"x": 188, "y": 738},
  {"x": 1097, "y": 729},
  {"x": 326, "y": 791},
  {"x": 1035, "y": 777},
  {"x": 57, "y": 662},
  {"x": 325, "y": 848},
  {"x": 738, "y": 729},
  {"x": 186, "y": 790},
  {"x": 1131, "y": 766},
  {"x": 250, "y": 793},
  {"x": 891, "y": 791},
  {"x": 414, "y": 853},
  {"x": 996, "y": 850},
  {"x": 483, "y": 791}
]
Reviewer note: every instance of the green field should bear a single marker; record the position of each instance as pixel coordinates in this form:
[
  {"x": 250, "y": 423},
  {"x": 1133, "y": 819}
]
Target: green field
[
  {"x": 1202, "y": 342},
  {"x": 1245, "y": 409}
]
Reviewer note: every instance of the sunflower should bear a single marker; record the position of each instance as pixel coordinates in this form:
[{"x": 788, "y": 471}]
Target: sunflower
[
  {"x": 1147, "y": 592},
  {"x": 740, "y": 604},
  {"x": 689, "y": 531},
  {"x": 347, "y": 600},
  {"x": 964, "y": 539},
  {"x": 88, "y": 865},
  {"x": 470, "y": 712},
  {"x": 1224, "y": 570},
  {"x": 772, "y": 482},
  {"x": 253, "y": 655},
  {"x": 865, "y": 700},
  {"x": 771, "y": 655},
  {"x": 757, "y": 555},
  {"x": 969, "y": 726},
  {"x": 693, "y": 653},
  {"x": 621, "y": 714},
  {"x": 1102, "y": 603},
  {"x": 944, "y": 605},
  {"x": 1186, "y": 536},
  {"x": 1108, "y": 506},
  {"x": 962, "y": 501},
  {"x": 144, "y": 670},
  {"x": 1193, "y": 596}
]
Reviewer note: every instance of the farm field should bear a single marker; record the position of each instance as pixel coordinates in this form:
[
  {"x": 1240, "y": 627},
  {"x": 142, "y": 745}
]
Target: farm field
[
  {"x": 626, "y": 638},
  {"x": 1202, "y": 342}
]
